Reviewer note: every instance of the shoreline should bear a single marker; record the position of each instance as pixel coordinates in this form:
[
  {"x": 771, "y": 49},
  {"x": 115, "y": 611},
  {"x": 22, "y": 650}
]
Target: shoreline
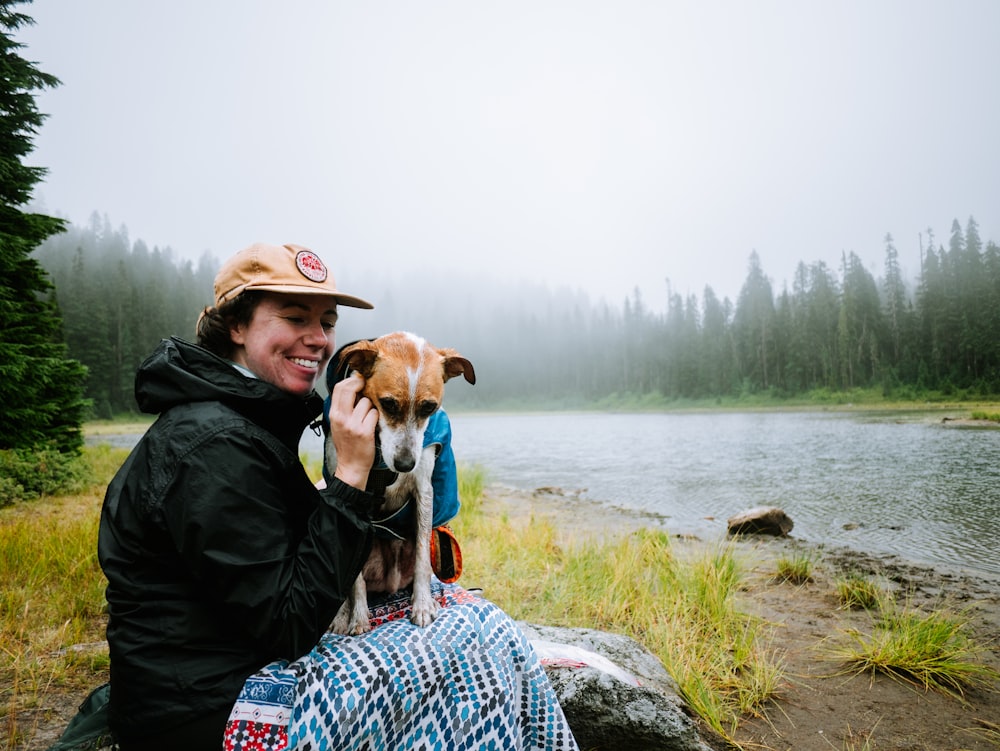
[
  {"x": 571, "y": 511},
  {"x": 822, "y": 703}
]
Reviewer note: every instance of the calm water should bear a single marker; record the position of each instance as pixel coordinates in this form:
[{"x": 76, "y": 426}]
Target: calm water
[
  {"x": 902, "y": 482},
  {"x": 912, "y": 487}
]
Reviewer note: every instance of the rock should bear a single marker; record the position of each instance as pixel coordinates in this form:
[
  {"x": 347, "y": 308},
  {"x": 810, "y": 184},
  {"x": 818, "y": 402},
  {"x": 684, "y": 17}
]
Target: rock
[
  {"x": 614, "y": 692},
  {"x": 553, "y": 490},
  {"x": 761, "y": 520}
]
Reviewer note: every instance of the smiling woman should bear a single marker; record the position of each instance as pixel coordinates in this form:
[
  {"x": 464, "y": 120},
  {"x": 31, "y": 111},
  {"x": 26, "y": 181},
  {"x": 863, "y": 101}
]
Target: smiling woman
[
  {"x": 223, "y": 559},
  {"x": 212, "y": 522}
]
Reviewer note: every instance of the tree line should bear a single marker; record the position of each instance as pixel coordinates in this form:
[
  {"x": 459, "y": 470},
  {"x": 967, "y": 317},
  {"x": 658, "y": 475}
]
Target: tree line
[
  {"x": 830, "y": 329},
  {"x": 118, "y": 299}
]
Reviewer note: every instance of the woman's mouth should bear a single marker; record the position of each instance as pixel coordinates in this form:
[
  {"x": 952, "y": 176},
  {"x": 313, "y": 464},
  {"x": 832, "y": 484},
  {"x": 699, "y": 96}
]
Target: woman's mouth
[{"x": 311, "y": 364}]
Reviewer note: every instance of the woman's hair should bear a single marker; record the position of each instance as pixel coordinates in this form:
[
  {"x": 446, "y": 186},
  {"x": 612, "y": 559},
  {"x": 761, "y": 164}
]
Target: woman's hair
[{"x": 215, "y": 323}]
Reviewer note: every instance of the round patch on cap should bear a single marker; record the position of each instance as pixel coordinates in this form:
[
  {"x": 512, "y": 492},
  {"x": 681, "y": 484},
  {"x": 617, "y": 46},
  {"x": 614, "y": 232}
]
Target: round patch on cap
[{"x": 311, "y": 266}]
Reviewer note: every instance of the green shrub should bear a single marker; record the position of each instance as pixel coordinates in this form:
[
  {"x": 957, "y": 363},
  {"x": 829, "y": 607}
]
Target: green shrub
[{"x": 26, "y": 474}]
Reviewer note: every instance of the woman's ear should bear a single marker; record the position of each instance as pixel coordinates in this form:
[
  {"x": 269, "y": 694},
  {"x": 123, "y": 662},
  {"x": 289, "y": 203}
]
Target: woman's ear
[{"x": 237, "y": 332}]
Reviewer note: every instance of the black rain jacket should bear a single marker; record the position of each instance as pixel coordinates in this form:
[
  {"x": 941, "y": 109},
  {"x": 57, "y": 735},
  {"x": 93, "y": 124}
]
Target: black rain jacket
[{"x": 220, "y": 554}]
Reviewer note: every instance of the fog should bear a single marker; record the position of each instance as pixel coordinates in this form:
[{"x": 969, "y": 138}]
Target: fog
[{"x": 596, "y": 146}]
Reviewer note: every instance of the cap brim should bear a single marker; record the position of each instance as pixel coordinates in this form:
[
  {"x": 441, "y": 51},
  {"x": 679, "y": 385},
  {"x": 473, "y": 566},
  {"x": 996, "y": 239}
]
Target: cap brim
[{"x": 291, "y": 289}]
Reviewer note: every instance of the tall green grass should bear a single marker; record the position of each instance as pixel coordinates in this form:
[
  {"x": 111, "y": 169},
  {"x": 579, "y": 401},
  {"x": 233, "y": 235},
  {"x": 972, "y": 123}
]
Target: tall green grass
[
  {"x": 682, "y": 610},
  {"x": 51, "y": 596},
  {"x": 680, "y": 606},
  {"x": 932, "y": 649},
  {"x": 983, "y": 415}
]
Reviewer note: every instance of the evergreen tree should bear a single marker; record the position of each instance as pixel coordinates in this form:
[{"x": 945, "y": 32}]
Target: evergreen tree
[
  {"x": 40, "y": 389},
  {"x": 716, "y": 345},
  {"x": 754, "y": 328},
  {"x": 859, "y": 324},
  {"x": 894, "y": 291}
]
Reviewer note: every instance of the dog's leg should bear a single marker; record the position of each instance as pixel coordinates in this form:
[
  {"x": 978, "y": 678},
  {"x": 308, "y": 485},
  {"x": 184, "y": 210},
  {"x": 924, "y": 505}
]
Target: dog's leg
[
  {"x": 352, "y": 618},
  {"x": 425, "y": 607}
]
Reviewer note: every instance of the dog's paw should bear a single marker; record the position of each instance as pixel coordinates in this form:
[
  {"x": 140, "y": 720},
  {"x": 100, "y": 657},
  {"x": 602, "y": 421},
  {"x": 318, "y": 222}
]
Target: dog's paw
[
  {"x": 360, "y": 627},
  {"x": 423, "y": 614},
  {"x": 350, "y": 625},
  {"x": 341, "y": 624}
]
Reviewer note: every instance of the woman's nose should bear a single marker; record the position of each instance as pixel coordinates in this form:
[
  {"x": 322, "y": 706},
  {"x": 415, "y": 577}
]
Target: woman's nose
[{"x": 316, "y": 335}]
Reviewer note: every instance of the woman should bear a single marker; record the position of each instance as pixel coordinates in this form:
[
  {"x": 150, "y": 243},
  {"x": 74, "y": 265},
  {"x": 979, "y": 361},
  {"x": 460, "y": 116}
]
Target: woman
[
  {"x": 220, "y": 554},
  {"x": 226, "y": 565}
]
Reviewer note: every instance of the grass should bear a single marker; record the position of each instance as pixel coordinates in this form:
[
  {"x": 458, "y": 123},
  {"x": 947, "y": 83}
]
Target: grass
[
  {"x": 855, "y": 740},
  {"x": 795, "y": 570},
  {"x": 856, "y": 592},
  {"x": 930, "y": 649},
  {"x": 51, "y": 597},
  {"x": 989, "y": 416},
  {"x": 989, "y": 732},
  {"x": 681, "y": 610}
]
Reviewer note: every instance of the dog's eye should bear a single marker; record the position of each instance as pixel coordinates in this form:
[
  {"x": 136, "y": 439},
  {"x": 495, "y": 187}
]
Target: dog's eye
[
  {"x": 426, "y": 409},
  {"x": 389, "y": 406}
]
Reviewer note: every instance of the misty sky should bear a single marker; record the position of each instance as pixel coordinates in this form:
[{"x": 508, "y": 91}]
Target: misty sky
[{"x": 595, "y": 145}]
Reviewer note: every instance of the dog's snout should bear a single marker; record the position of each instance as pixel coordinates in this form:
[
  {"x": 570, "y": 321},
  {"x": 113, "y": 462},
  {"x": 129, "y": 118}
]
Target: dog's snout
[{"x": 404, "y": 463}]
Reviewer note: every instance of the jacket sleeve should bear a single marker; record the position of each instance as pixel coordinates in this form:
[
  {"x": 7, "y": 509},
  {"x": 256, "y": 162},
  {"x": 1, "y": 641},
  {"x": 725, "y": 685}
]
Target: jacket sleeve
[{"x": 275, "y": 554}]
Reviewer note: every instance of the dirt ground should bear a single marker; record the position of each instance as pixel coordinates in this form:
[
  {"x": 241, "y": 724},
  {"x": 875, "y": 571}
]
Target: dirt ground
[{"x": 818, "y": 709}]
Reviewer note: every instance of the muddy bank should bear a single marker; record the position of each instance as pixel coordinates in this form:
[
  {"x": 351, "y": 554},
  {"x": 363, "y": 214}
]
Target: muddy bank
[{"x": 821, "y": 706}]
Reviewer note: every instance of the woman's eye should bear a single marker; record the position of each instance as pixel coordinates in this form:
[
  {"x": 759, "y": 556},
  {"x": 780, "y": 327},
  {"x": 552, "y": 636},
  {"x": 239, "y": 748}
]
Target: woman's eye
[{"x": 328, "y": 325}]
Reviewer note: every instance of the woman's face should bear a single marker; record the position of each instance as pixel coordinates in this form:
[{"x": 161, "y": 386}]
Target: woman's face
[{"x": 288, "y": 341}]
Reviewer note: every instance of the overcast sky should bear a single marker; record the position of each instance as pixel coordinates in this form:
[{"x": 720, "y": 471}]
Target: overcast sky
[{"x": 595, "y": 145}]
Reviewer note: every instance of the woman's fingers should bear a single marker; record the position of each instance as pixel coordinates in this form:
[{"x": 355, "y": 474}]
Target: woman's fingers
[{"x": 352, "y": 427}]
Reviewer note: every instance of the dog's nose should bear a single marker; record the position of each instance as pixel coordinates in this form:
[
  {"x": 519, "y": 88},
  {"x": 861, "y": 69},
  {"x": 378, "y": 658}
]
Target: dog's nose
[{"x": 404, "y": 463}]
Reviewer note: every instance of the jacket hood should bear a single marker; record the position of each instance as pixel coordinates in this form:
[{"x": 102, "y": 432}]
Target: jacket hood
[{"x": 178, "y": 372}]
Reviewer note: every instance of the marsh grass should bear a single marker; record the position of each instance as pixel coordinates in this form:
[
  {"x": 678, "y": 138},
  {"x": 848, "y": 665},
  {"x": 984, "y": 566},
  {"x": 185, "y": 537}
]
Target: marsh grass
[
  {"x": 682, "y": 610},
  {"x": 856, "y": 592},
  {"x": 987, "y": 731},
  {"x": 989, "y": 416},
  {"x": 52, "y": 596},
  {"x": 798, "y": 569},
  {"x": 856, "y": 740},
  {"x": 679, "y": 606},
  {"x": 929, "y": 649}
]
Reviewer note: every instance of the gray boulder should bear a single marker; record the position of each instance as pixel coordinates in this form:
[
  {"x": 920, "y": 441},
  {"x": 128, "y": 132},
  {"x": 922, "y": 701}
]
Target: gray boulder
[
  {"x": 761, "y": 520},
  {"x": 614, "y": 692}
]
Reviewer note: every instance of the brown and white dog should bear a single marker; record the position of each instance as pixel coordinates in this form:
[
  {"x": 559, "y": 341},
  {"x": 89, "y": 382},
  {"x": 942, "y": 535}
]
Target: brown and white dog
[{"x": 404, "y": 379}]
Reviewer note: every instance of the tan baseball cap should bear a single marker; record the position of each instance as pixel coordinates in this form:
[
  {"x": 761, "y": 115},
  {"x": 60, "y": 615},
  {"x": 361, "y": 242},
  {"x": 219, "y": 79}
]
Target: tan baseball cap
[{"x": 291, "y": 269}]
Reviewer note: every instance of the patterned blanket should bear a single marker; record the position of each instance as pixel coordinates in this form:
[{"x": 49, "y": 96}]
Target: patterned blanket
[{"x": 471, "y": 680}]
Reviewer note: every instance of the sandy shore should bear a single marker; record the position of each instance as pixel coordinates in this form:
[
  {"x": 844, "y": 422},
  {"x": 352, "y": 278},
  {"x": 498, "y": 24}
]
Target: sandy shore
[{"x": 820, "y": 708}]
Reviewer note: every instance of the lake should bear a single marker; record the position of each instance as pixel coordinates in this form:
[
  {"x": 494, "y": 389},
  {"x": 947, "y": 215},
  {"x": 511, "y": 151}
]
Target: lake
[
  {"x": 894, "y": 482},
  {"x": 885, "y": 482}
]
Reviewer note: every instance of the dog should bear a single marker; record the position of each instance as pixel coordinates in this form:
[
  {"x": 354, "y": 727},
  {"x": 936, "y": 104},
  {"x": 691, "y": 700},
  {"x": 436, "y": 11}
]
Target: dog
[{"x": 404, "y": 379}]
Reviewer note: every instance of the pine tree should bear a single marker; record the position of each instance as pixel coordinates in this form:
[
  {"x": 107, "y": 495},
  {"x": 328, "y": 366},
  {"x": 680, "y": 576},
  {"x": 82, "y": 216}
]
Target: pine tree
[
  {"x": 753, "y": 323},
  {"x": 40, "y": 389}
]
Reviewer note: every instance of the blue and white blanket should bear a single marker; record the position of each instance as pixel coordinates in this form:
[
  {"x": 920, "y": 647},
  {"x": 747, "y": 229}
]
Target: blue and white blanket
[{"x": 471, "y": 680}]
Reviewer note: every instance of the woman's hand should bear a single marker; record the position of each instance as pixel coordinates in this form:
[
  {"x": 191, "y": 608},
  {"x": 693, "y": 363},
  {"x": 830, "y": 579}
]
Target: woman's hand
[{"x": 352, "y": 427}]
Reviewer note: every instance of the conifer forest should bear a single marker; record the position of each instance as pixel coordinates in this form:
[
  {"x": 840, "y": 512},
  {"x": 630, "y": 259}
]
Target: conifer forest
[{"x": 827, "y": 329}]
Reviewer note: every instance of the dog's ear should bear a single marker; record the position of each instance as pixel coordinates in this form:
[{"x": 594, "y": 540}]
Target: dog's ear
[
  {"x": 360, "y": 356},
  {"x": 456, "y": 365}
]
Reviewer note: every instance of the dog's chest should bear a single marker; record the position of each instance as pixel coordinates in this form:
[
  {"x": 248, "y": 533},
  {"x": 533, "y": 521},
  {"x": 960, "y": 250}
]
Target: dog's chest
[{"x": 400, "y": 492}]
